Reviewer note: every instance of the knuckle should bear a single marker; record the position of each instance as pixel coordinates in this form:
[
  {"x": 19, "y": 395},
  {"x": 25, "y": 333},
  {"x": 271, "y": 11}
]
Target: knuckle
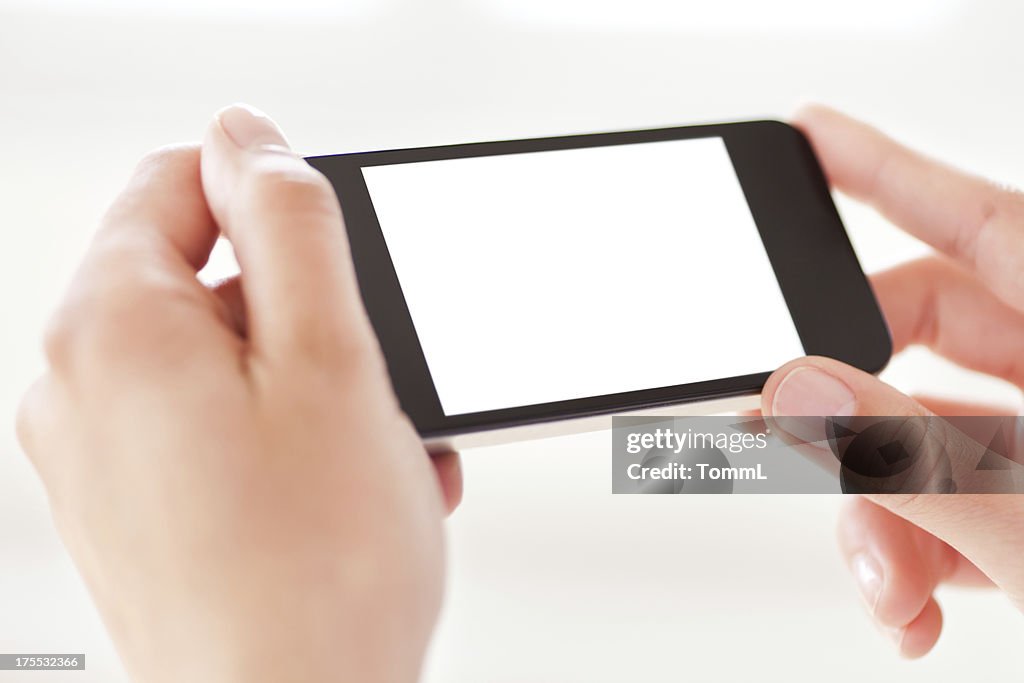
[
  {"x": 73, "y": 326},
  {"x": 107, "y": 323},
  {"x": 68, "y": 326},
  {"x": 29, "y": 432},
  {"x": 24, "y": 423},
  {"x": 168, "y": 156},
  {"x": 72, "y": 337},
  {"x": 57, "y": 339},
  {"x": 1001, "y": 207}
]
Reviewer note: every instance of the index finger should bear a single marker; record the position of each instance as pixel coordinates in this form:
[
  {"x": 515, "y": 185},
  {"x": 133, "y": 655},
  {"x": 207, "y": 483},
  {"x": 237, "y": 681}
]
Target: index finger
[
  {"x": 139, "y": 273},
  {"x": 967, "y": 217}
]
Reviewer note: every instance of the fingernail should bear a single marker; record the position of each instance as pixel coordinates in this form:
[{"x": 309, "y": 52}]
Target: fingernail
[
  {"x": 249, "y": 128},
  {"x": 868, "y": 574},
  {"x": 807, "y": 391}
]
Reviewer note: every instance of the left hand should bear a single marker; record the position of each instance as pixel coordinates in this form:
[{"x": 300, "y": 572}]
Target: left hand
[{"x": 229, "y": 467}]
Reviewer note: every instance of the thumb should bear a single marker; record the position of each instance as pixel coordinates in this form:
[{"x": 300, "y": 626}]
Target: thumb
[
  {"x": 283, "y": 220},
  {"x": 987, "y": 529}
]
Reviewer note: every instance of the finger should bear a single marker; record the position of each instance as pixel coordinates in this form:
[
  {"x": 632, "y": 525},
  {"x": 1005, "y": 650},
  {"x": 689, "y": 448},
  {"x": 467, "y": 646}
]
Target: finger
[
  {"x": 896, "y": 567},
  {"x": 139, "y": 274},
  {"x": 449, "y": 476},
  {"x": 229, "y": 293},
  {"x": 986, "y": 529},
  {"x": 945, "y": 406},
  {"x": 895, "y": 573},
  {"x": 938, "y": 304},
  {"x": 917, "y": 638},
  {"x": 964, "y": 216},
  {"x": 283, "y": 220},
  {"x": 163, "y": 209}
]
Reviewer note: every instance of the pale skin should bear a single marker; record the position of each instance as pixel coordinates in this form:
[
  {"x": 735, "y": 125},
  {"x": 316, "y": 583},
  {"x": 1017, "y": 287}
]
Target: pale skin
[
  {"x": 233, "y": 476},
  {"x": 966, "y": 304},
  {"x": 229, "y": 467}
]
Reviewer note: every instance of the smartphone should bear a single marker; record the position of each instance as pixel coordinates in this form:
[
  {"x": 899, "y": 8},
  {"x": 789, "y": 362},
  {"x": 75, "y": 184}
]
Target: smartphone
[{"x": 526, "y": 288}]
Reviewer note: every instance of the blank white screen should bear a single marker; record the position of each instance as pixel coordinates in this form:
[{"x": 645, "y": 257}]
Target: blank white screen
[{"x": 564, "y": 274}]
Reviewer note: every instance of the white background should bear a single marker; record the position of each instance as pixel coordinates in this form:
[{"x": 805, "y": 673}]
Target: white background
[
  {"x": 552, "y": 579},
  {"x": 593, "y": 271}
]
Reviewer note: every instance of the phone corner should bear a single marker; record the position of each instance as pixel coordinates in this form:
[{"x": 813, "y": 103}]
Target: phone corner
[
  {"x": 779, "y": 125},
  {"x": 883, "y": 352}
]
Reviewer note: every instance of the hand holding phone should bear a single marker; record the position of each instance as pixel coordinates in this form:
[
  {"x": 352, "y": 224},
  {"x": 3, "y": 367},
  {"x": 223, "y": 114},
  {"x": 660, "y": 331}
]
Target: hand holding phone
[
  {"x": 213, "y": 458},
  {"x": 968, "y": 306},
  {"x": 228, "y": 467},
  {"x": 527, "y": 287}
]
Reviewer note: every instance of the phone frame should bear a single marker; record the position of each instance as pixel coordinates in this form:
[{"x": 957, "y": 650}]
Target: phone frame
[{"x": 829, "y": 298}]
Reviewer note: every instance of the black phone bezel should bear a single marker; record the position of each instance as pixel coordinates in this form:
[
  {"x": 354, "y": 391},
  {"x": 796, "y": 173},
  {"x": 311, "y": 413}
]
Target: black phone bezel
[{"x": 831, "y": 302}]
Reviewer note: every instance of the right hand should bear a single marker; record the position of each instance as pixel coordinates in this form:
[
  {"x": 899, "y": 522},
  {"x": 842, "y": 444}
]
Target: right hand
[{"x": 968, "y": 306}]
